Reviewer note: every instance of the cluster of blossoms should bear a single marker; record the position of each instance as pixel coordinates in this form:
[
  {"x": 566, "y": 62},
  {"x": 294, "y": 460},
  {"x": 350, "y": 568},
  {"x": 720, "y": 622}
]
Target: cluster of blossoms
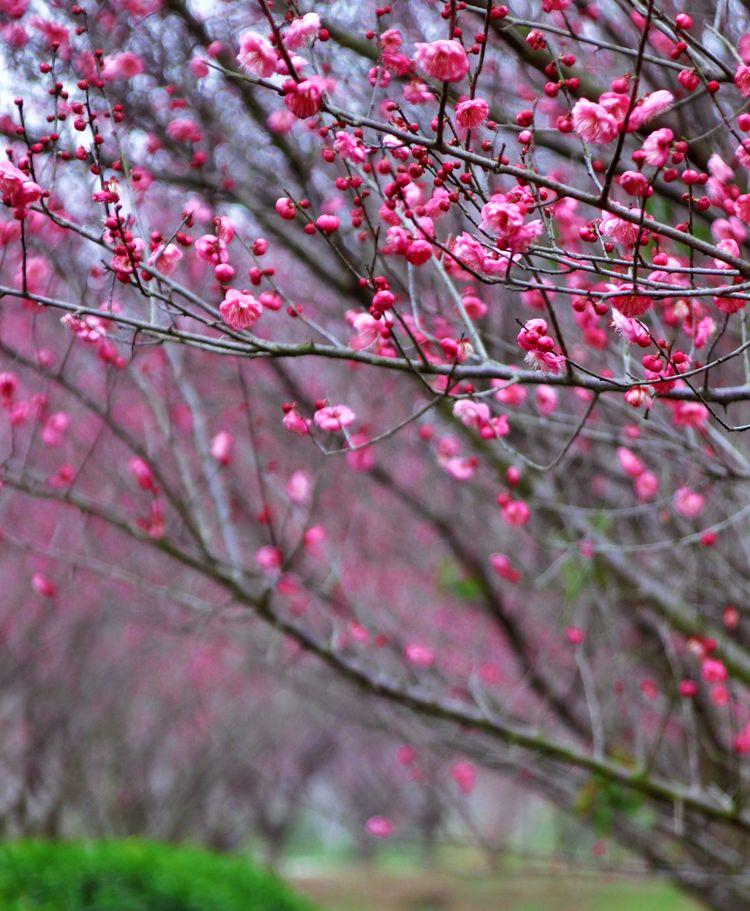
[
  {"x": 477, "y": 415},
  {"x": 601, "y": 122},
  {"x": 432, "y": 208},
  {"x": 504, "y": 216},
  {"x": 541, "y": 349},
  {"x": 93, "y": 330},
  {"x": 17, "y": 189}
]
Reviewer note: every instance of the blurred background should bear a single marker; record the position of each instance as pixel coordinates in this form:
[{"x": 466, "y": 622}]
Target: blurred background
[
  {"x": 138, "y": 699},
  {"x": 117, "y": 723}
]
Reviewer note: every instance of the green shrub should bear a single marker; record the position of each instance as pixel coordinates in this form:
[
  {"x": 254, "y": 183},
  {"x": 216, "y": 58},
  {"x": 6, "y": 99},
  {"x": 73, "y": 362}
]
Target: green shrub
[{"x": 134, "y": 876}]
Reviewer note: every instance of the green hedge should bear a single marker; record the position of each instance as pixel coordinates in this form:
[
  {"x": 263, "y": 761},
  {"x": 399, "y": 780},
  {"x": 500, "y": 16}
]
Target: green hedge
[{"x": 134, "y": 876}]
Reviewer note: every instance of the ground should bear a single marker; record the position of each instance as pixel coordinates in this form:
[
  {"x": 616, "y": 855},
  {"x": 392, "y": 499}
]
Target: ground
[{"x": 364, "y": 888}]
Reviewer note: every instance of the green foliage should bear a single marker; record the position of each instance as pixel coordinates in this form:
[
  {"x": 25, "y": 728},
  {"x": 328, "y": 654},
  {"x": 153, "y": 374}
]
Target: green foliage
[
  {"x": 600, "y": 801},
  {"x": 576, "y": 574},
  {"x": 453, "y": 581},
  {"x": 134, "y": 876}
]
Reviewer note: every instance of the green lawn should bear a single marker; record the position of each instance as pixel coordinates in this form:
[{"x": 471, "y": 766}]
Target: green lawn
[{"x": 376, "y": 889}]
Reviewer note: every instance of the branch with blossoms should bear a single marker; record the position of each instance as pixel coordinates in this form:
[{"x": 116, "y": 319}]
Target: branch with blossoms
[{"x": 478, "y": 281}]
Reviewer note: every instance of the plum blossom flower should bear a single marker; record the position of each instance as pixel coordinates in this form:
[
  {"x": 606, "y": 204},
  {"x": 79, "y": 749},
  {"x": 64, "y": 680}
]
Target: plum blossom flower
[
  {"x": 616, "y": 104},
  {"x": 154, "y": 524},
  {"x": 397, "y": 64},
  {"x": 516, "y": 512},
  {"x": 334, "y": 417},
  {"x": 501, "y": 216},
  {"x": 406, "y": 754},
  {"x": 256, "y": 55},
  {"x": 369, "y": 331},
  {"x": 8, "y": 387},
  {"x": 457, "y": 350},
  {"x": 221, "y": 447},
  {"x": 727, "y": 245},
  {"x": 742, "y": 207},
  {"x": 125, "y": 65},
  {"x": 380, "y": 827},
  {"x": 539, "y": 347},
  {"x": 14, "y": 35},
  {"x": 417, "y": 92},
  {"x": 444, "y": 59},
  {"x": 655, "y": 147},
  {"x": 546, "y": 399},
  {"x": 281, "y": 121},
  {"x": 464, "y": 773},
  {"x": 199, "y": 68},
  {"x": 166, "y": 258},
  {"x": 360, "y": 456},
  {"x": 742, "y": 741},
  {"x": 391, "y": 40},
  {"x": 124, "y": 263},
  {"x": 688, "y": 688},
  {"x": 688, "y": 502},
  {"x": 702, "y": 331},
  {"x": 349, "y": 147},
  {"x": 575, "y": 635},
  {"x": 619, "y": 229},
  {"x": 301, "y": 30},
  {"x": 269, "y": 558},
  {"x": 18, "y": 188},
  {"x": 55, "y": 33},
  {"x": 634, "y": 183},
  {"x": 689, "y": 414},
  {"x": 184, "y": 129},
  {"x": 719, "y": 169},
  {"x": 142, "y": 472},
  {"x": 593, "y": 122},
  {"x": 14, "y": 8},
  {"x": 646, "y": 486},
  {"x": 471, "y": 414},
  {"x": 421, "y": 655},
  {"x": 504, "y": 568},
  {"x": 469, "y": 250},
  {"x": 505, "y": 216},
  {"x": 628, "y": 302},
  {"x": 631, "y": 464},
  {"x": 476, "y": 256},
  {"x": 632, "y": 330},
  {"x": 472, "y": 113},
  {"x": 638, "y": 396},
  {"x": 304, "y": 99},
  {"x": 314, "y": 537},
  {"x": 474, "y": 305},
  {"x": 461, "y": 468},
  {"x": 743, "y": 154},
  {"x": 299, "y": 486},
  {"x": 208, "y": 247},
  {"x": 742, "y": 79},
  {"x": 295, "y": 423},
  {"x": 55, "y": 429},
  {"x": 729, "y": 304},
  {"x": 651, "y": 106},
  {"x": 43, "y": 585},
  {"x": 88, "y": 328},
  {"x": 240, "y": 309},
  {"x": 713, "y": 671}
]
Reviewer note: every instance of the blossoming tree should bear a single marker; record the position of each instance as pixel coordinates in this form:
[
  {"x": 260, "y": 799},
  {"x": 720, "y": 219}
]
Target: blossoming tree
[{"x": 417, "y": 333}]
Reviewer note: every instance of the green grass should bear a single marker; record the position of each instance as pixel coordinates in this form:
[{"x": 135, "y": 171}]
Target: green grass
[
  {"x": 135, "y": 876},
  {"x": 366, "y": 889},
  {"x": 141, "y": 876}
]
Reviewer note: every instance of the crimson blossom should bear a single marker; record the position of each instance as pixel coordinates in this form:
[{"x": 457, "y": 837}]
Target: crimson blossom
[{"x": 416, "y": 334}]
